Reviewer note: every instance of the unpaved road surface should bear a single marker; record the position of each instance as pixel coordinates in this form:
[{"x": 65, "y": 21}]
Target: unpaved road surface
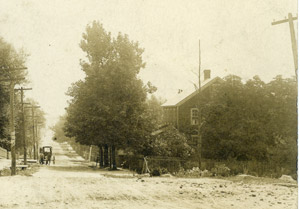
[{"x": 71, "y": 183}]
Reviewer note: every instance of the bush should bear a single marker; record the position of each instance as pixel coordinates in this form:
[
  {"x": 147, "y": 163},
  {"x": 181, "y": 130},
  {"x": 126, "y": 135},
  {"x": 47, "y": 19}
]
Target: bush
[
  {"x": 158, "y": 171},
  {"x": 155, "y": 172},
  {"x": 195, "y": 172},
  {"x": 169, "y": 143},
  {"x": 221, "y": 170}
]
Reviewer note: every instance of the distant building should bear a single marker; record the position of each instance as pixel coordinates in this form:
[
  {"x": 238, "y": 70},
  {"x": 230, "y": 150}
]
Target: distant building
[{"x": 182, "y": 111}]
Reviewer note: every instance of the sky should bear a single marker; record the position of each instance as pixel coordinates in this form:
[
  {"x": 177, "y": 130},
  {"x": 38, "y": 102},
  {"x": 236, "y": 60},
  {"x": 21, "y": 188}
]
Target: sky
[{"x": 236, "y": 38}]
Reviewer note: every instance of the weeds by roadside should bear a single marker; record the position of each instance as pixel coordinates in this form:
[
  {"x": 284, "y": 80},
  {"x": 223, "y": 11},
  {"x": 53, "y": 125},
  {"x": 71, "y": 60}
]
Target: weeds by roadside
[{"x": 26, "y": 172}]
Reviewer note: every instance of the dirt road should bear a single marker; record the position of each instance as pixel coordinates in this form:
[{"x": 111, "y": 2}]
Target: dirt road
[{"x": 71, "y": 183}]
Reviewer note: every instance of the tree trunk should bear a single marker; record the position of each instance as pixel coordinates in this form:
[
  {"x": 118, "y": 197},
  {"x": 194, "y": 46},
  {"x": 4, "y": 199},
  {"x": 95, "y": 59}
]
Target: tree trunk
[
  {"x": 106, "y": 155},
  {"x": 101, "y": 156},
  {"x": 113, "y": 153}
]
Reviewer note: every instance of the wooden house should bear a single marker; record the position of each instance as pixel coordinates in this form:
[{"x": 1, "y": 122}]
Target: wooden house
[{"x": 182, "y": 110}]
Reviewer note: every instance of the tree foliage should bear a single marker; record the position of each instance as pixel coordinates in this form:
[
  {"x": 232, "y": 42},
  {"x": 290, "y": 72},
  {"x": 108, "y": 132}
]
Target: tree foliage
[
  {"x": 169, "y": 143},
  {"x": 9, "y": 60},
  {"x": 252, "y": 121},
  {"x": 58, "y": 130},
  {"x": 108, "y": 107}
]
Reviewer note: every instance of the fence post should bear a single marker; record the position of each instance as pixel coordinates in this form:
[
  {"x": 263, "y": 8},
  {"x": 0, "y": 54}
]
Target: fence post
[{"x": 90, "y": 153}]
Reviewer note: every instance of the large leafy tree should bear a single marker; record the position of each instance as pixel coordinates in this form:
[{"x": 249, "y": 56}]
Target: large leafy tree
[
  {"x": 252, "y": 121},
  {"x": 10, "y": 59},
  {"x": 108, "y": 107},
  {"x": 283, "y": 126}
]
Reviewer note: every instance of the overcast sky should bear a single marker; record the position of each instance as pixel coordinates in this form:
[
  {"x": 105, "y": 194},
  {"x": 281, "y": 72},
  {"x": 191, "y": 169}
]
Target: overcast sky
[{"x": 236, "y": 37}]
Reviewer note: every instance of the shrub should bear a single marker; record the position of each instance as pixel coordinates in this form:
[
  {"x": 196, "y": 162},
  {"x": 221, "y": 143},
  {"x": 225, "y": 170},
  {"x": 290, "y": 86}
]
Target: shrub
[
  {"x": 170, "y": 143},
  {"x": 221, "y": 170}
]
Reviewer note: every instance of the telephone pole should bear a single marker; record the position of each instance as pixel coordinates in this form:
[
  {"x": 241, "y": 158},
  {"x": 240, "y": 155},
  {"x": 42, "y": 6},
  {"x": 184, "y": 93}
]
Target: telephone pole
[
  {"x": 37, "y": 134},
  {"x": 23, "y": 123},
  {"x": 290, "y": 20},
  {"x": 33, "y": 130},
  {"x": 12, "y": 129},
  {"x": 199, "y": 144}
]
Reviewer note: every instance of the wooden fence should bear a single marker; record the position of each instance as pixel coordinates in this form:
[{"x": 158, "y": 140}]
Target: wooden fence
[
  {"x": 166, "y": 164},
  {"x": 172, "y": 164}
]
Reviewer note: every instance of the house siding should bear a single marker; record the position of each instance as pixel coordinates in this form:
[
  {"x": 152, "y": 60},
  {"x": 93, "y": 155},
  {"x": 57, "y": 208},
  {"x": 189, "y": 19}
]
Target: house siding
[
  {"x": 185, "y": 125},
  {"x": 170, "y": 115},
  {"x": 185, "y": 114},
  {"x": 182, "y": 119}
]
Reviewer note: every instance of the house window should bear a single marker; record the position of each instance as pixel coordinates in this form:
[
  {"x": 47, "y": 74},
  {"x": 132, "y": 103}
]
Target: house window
[{"x": 194, "y": 116}]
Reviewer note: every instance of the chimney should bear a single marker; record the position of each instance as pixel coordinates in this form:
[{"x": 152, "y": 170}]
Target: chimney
[{"x": 206, "y": 74}]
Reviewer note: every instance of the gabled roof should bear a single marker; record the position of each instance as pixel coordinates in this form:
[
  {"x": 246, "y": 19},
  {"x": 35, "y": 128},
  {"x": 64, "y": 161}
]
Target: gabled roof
[{"x": 184, "y": 96}]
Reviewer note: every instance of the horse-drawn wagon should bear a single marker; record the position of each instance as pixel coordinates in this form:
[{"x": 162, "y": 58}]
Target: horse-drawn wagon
[{"x": 45, "y": 154}]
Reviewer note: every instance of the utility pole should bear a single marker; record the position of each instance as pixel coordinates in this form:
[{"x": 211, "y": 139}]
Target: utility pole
[
  {"x": 36, "y": 139},
  {"x": 23, "y": 123},
  {"x": 37, "y": 134},
  {"x": 12, "y": 129},
  {"x": 33, "y": 130},
  {"x": 290, "y": 20},
  {"x": 199, "y": 144},
  {"x": 11, "y": 118}
]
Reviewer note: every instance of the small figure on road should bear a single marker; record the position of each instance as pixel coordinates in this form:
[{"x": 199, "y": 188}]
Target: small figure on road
[
  {"x": 41, "y": 158},
  {"x": 47, "y": 159},
  {"x": 53, "y": 158}
]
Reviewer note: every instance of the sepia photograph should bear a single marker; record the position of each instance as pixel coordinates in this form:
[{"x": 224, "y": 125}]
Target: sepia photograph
[{"x": 141, "y": 104}]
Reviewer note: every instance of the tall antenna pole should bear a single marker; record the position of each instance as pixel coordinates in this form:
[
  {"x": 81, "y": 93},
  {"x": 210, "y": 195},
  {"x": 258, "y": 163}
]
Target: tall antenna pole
[
  {"x": 199, "y": 144},
  {"x": 199, "y": 66}
]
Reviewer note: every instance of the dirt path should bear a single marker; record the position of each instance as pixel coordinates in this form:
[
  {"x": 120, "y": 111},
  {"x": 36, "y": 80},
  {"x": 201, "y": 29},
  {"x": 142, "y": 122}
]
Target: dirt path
[{"x": 70, "y": 183}]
